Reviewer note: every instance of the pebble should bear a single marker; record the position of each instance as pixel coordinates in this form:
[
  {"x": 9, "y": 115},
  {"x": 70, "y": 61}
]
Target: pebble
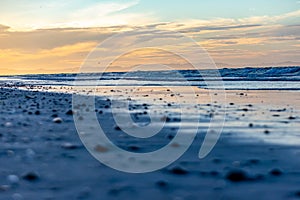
[
  {"x": 4, "y": 188},
  {"x": 80, "y": 118},
  {"x": 10, "y": 153},
  {"x": 253, "y": 161},
  {"x": 68, "y": 145},
  {"x": 57, "y": 120},
  {"x": 133, "y": 148},
  {"x": 175, "y": 145},
  {"x": 236, "y": 163},
  {"x": 297, "y": 194},
  {"x": 29, "y": 97},
  {"x": 100, "y": 149},
  {"x": 276, "y": 172},
  {"x": 178, "y": 170},
  {"x": 17, "y": 196},
  {"x": 13, "y": 179},
  {"x": 30, "y": 176},
  {"x": 69, "y": 112},
  {"x": 8, "y": 124},
  {"x": 37, "y": 112},
  {"x": 30, "y": 153},
  {"x": 170, "y": 136},
  {"x": 237, "y": 176}
]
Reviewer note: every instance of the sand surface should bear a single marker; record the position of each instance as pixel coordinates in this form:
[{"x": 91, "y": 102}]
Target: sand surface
[{"x": 256, "y": 156}]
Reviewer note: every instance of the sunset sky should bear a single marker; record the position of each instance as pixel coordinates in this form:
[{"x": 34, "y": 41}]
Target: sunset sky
[{"x": 56, "y": 36}]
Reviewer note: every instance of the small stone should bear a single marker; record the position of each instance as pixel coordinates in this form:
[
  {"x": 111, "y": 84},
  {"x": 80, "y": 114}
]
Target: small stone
[
  {"x": 276, "y": 172},
  {"x": 100, "y": 149},
  {"x": 57, "y": 120},
  {"x": 80, "y": 118},
  {"x": 69, "y": 112},
  {"x": 68, "y": 145},
  {"x": 29, "y": 97},
  {"x": 117, "y": 128},
  {"x": 236, "y": 163},
  {"x": 37, "y": 112},
  {"x": 237, "y": 176},
  {"x": 30, "y": 176},
  {"x": 10, "y": 153},
  {"x": 30, "y": 153},
  {"x": 178, "y": 171},
  {"x": 4, "y": 188},
  {"x": 170, "y": 136},
  {"x": 13, "y": 179},
  {"x": 133, "y": 148},
  {"x": 297, "y": 193},
  {"x": 8, "y": 124},
  {"x": 168, "y": 119},
  {"x": 175, "y": 145},
  {"x": 17, "y": 196}
]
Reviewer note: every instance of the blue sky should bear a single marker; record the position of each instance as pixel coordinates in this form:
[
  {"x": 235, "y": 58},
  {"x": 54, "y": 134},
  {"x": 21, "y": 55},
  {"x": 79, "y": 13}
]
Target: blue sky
[
  {"x": 169, "y": 10},
  {"x": 33, "y": 13}
]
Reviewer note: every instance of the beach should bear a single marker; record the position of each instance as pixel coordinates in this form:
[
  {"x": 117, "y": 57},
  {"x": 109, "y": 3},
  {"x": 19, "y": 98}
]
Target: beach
[
  {"x": 42, "y": 156},
  {"x": 149, "y": 100}
]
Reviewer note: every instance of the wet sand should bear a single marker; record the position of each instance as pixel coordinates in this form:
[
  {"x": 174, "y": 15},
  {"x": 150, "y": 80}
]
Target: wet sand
[{"x": 257, "y": 155}]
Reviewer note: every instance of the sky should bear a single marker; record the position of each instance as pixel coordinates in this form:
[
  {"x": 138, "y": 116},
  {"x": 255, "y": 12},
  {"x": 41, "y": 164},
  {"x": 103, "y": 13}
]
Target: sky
[{"x": 56, "y": 36}]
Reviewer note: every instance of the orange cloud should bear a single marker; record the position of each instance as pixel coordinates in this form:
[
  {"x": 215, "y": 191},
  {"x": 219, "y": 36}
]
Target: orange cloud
[
  {"x": 61, "y": 59},
  {"x": 236, "y": 42}
]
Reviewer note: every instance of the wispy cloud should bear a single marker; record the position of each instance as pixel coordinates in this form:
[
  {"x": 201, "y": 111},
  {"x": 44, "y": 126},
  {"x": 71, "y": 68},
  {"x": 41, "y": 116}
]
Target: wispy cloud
[
  {"x": 69, "y": 14},
  {"x": 105, "y": 14}
]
